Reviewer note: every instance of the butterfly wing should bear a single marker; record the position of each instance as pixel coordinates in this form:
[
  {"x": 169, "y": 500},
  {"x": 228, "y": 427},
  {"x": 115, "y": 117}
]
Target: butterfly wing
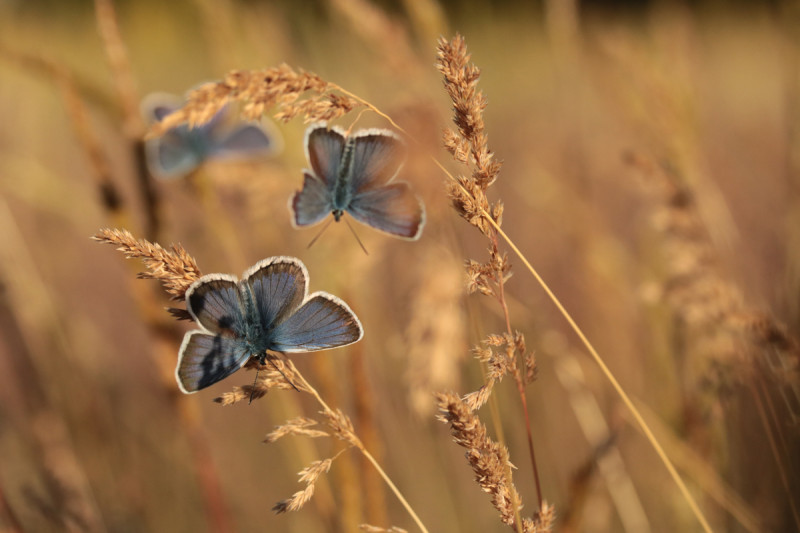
[
  {"x": 278, "y": 285},
  {"x": 311, "y": 204},
  {"x": 392, "y": 208},
  {"x": 156, "y": 106},
  {"x": 247, "y": 140},
  {"x": 378, "y": 156},
  {"x": 171, "y": 155},
  {"x": 324, "y": 148},
  {"x": 322, "y": 322},
  {"x": 206, "y": 359},
  {"x": 215, "y": 303}
]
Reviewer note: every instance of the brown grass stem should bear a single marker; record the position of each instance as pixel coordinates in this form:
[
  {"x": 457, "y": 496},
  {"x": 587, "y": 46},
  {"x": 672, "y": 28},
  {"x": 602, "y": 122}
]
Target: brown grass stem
[
  {"x": 42, "y": 65},
  {"x": 676, "y": 477},
  {"x": 366, "y": 416},
  {"x": 370, "y": 107},
  {"x": 519, "y": 382},
  {"x": 133, "y": 125},
  {"x": 118, "y": 60},
  {"x": 609, "y": 376},
  {"x": 517, "y": 377},
  {"x": 492, "y": 223},
  {"x": 358, "y": 444},
  {"x": 494, "y": 409}
]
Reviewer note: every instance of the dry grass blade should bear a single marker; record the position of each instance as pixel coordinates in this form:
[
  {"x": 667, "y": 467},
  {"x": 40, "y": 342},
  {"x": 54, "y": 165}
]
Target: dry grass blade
[
  {"x": 469, "y": 200},
  {"x": 175, "y": 268}
]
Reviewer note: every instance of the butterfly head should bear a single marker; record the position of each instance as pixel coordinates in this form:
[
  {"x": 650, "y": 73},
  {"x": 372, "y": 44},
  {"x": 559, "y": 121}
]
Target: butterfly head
[{"x": 337, "y": 214}]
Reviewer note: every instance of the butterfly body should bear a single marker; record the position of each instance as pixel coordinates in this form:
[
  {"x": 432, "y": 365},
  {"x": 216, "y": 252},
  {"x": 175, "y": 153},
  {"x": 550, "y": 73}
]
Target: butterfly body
[
  {"x": 342, "y": 194},
  {"x": 256, "y": 339},
  {"x": 269, "y": 309},
  {"x": 355, "y": 174}
]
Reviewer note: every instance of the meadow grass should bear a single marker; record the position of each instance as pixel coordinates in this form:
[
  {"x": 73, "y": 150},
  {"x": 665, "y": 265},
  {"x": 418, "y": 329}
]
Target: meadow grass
[{"x": 645, "y": 267}]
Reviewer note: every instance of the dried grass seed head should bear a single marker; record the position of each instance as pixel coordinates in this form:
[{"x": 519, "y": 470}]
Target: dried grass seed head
[
  {"x": 293, "y": 92},
  {"x": 488, "y": 459},
  {"x": 295, "y": 426},
  {"x": 175, "y": 268}
]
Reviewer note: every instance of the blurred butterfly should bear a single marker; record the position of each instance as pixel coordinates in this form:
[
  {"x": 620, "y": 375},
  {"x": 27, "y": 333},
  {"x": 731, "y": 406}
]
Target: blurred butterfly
[
  {"x": 182, "y": 149},
  {"x": 355, "y": 174},
  {"x": 268, "y": 309}
]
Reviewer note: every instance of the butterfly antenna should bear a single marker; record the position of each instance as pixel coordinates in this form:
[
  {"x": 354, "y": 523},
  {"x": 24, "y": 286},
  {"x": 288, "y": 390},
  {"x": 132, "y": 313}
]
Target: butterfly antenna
[
  {"x": 356, "y": 236},
  {"x": 328, "y": 223},
  {"x": 271, "y": 360}
]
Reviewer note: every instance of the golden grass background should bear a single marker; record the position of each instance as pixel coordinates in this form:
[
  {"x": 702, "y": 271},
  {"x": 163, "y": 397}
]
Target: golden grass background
[{"x": 597, "y": 118}]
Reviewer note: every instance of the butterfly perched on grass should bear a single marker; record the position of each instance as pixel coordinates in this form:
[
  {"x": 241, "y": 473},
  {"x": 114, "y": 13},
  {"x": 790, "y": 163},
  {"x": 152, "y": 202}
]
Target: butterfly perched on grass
[
  {"x": 182, "y": 149},
  {"x": 355, "y": 174},
  {"x": 268, "y": 309}
]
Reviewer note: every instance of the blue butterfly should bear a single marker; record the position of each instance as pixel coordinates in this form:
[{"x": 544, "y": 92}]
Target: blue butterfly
[
  {"x": 182, "y": 149},
  {"x": 355, "y": 174},
  {"x": 269, "y": 309}
]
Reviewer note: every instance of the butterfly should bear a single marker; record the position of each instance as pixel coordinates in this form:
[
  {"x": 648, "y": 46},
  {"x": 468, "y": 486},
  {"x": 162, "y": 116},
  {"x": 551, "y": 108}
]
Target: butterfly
[
  {"x": 268, "y": 309},
  {"x": 355, "y": 174},
  {"x": 182, "y": 149}
]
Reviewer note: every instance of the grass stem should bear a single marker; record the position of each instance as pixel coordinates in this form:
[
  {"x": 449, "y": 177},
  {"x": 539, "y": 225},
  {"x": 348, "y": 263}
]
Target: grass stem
[
  {"x": 306, "y": 385},
  {"x": 579, "y": 332}
]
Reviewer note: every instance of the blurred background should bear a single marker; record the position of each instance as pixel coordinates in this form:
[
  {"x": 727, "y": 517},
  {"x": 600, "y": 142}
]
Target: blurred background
[{"x": 651, "y": 174}]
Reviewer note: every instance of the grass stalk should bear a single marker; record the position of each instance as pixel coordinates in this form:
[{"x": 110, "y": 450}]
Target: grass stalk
[
  {"x": 676, "y": 477},
  {"x": 358, "y": 444},
  {"x": 520, "y": 385}
]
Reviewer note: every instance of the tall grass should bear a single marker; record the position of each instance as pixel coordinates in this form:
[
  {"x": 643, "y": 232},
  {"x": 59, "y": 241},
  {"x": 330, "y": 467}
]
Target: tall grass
[{"x": 628, "y": 151}]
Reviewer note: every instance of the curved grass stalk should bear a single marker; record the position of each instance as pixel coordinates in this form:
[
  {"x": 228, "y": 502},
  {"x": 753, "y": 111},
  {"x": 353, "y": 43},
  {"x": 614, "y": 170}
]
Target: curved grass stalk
[
  {"x": 358, "y": 444},
  {"x": 676, "y": 477},
  {"x": 662, "y": 455}
]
